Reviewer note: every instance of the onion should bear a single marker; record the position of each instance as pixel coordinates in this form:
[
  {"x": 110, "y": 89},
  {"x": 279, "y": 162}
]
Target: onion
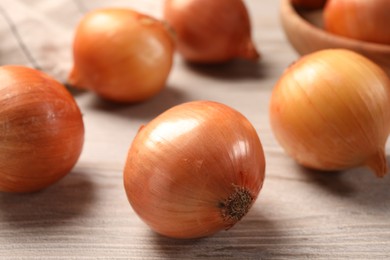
[
  {"x": 194, "y": 170},
  {"x": 358, "y": 19},
  {"x": 41, "y": 130},
  {"x": 331, "y": 111},
  {"x": 122, "y": 55},
  {"x": 211, "y": 31}
]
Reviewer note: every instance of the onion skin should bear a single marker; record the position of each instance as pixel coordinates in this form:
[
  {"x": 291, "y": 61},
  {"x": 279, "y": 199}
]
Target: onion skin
[
  {"x": 309, "y": 4},
  {"x": 330, "y": 111},
  {"x": 361, "y": 20},
  {"x": 122, "y": 55},
  {"x": 41, "y": 130},
  {"x": 211, "y": 31},
  {"x": 194, "y": 170}
]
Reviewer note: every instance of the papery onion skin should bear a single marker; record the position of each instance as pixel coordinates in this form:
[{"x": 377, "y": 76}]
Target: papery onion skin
[
  {"x": 122, "y": 55},
  {"x": 194, "y": 170},
  {"x": 309, "y": 4},
  {"x": 362, "y": 20},
  {"x": 41, "y": 130},
  {"x": 330, "y": 111},
  {"x": 211, "y": 31}
]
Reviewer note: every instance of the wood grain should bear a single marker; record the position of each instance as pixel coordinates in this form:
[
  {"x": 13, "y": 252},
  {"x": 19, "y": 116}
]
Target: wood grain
[{"x": 300, "y": 214}]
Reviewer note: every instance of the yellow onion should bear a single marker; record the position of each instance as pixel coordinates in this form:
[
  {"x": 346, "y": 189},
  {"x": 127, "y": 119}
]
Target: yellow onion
[
  {"x": 366, "y": 20},
  {"x": 211, "y": 31},
  {"x": 41, "y": 130},
  {"x": 122, "y": 55},
  {"x": 309, "y": 4},
  {"x": 194, "y": 170},
  {"x": 331, "y": 111}
]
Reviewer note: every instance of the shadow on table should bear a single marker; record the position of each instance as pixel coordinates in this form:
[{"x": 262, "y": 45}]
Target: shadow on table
[
  {"x": 357, "y": 185},
  {"x": 74, "y": 91},
  {"x": 147, "y": 109},
  {"x": 249, "y": 239},
  {"x": 70, "y": 197},
  {"x": 233, "y": 70}
]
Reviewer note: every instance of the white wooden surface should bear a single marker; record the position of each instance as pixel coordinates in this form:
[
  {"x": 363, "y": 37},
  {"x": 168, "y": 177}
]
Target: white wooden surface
[{"x": 300, "y": 214}]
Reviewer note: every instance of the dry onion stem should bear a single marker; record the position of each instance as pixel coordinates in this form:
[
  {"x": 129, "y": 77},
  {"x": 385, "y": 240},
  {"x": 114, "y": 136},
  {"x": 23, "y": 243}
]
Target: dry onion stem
[
  {"x": 194, "y": 170},
  {"x": 331, "y": 111}
]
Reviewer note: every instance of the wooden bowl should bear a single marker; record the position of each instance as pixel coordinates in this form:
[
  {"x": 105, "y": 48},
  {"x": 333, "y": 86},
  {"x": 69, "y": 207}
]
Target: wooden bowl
[{"x": 304, "y": 30}]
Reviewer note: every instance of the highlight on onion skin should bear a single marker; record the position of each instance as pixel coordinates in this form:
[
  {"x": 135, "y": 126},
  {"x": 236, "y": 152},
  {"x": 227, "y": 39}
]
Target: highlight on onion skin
[
  {"x": 41, "y": 130},
  {"x": 361, "y": 20},
  {"x": 194, "y": 170},
  {"x": 122, "y": 55},
  {"x": 211, "y": 31},
  {"x": 331, "y": 111}
]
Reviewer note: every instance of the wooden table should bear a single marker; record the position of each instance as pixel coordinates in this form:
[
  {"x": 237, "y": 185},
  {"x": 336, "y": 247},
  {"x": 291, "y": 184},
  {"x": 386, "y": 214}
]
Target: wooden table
[{"x": 300, "y": 214}]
